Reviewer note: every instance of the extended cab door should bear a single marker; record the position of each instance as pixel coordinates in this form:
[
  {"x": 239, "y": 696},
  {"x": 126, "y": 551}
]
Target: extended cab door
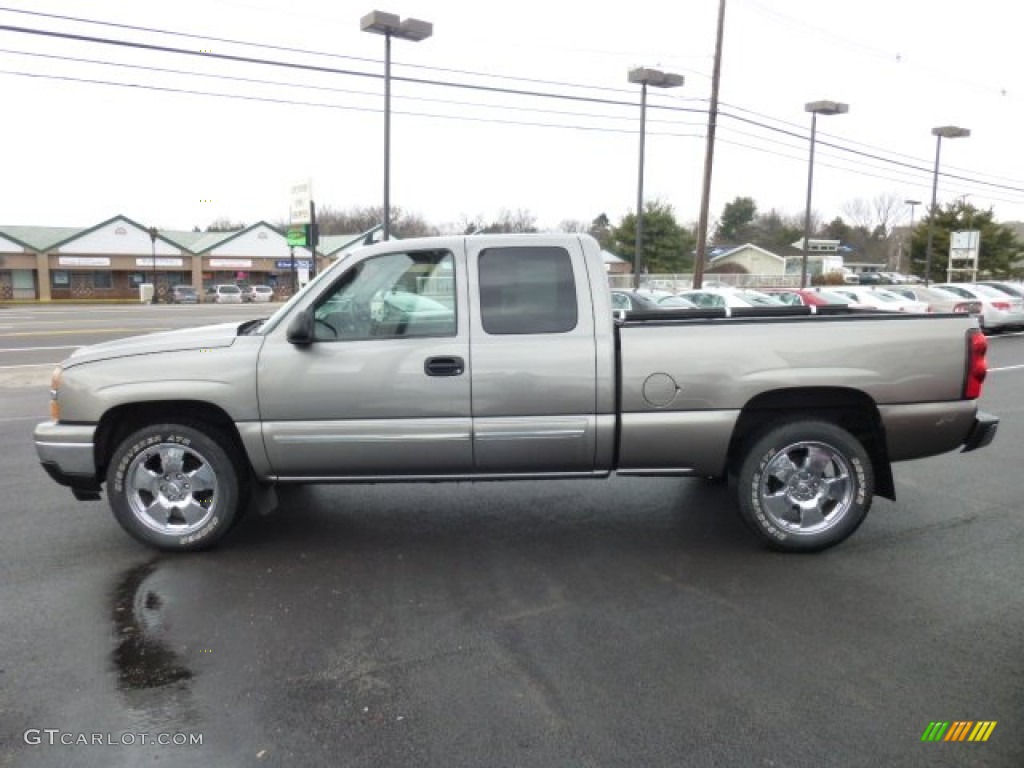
[
  {"x": 383, "y": 390},
  {"x": 534, "y": 371}
]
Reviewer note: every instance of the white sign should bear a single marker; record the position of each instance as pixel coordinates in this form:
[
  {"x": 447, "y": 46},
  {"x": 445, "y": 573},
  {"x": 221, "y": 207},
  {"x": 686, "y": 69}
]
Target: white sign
[
  {"x": 301, "y": 196},
  {"x": 232, "y": 263},
  {"x": 161, "y": 261},
  {"x": 83, "y": 261}
]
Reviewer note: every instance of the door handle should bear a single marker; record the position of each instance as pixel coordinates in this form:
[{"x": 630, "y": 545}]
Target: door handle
[{"x": 444, "y": 366}]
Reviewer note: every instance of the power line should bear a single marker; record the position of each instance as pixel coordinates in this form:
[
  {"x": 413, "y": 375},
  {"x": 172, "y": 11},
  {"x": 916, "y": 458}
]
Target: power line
[{"x": 422, "y": 81}]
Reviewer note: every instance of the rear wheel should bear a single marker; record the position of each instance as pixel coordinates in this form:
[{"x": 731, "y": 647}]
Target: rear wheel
[
  {"x": 805, "y": 486},
  {"x": 174, "y": 486}
]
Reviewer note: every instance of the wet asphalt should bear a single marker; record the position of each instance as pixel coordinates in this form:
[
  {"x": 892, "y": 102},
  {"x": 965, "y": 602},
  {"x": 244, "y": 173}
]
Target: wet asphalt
[{"x": 625, "y": 622}]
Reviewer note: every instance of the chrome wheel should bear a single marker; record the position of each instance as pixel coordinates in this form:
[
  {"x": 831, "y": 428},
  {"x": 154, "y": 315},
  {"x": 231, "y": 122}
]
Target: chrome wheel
[
  {"x": 172, "y": 489},
  {"x": 806, "y": 487}
]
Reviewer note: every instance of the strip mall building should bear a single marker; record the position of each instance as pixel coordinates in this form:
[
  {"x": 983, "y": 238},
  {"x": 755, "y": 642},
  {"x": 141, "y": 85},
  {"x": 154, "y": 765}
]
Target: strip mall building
[{"x": 114, "y": 258}]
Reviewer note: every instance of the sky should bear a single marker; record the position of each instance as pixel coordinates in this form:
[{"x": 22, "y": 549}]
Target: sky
[{"x": 520, "y": 107}]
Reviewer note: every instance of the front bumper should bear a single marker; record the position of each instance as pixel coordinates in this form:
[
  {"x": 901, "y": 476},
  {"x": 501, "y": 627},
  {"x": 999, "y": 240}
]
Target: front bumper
[
  {"x": 982, "y": 432},
  {"x": 66, "y": 453}
]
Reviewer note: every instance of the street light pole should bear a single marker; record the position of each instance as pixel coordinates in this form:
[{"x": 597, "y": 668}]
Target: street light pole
[
  {"x": 390, "y": 25},
  {"x": 152, "y": 240},
  {"x": 940, "y": 133},
  {"x": 645, "y": 76},
  {"x": 910, "y": 250},
  {"x": 815, "y": 108}
]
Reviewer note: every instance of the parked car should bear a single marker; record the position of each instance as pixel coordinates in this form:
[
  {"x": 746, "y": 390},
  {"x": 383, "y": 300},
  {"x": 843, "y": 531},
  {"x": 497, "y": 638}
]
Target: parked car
[
  {"x": 258, "y": 294},
  {"x": 223, "y": 294},
  {"x": 880, "y": 298},
  {"x": 184, "y": 294},
  {"x": 870, "y": 278},
  {"x": 711, "y": 298},
  {"x": 637, "y": 301},
  {"x": 939, "y": 300},
  {"x": 1007, "y": 287},
  {"x": 999, "y": 310},
  {"x": 534, "y": 381},
  {"x": 816, "y": 297}
]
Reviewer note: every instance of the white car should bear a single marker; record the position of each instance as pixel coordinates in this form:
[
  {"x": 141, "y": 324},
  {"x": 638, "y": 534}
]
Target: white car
[
  {"x": 999, "y": 311},
  {"x": 258, "y": 294},
  {"x": 716, "y": 298},
  {"x": 880, "y": 298}
]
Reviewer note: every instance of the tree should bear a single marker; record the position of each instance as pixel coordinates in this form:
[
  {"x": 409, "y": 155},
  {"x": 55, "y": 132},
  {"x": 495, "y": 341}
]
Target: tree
[
  {"x": 775, "y": 230},
  {"x": 331, "y": 221},
  {"x": 667, "y": 247},
  {"x": 837, "y": 229},
  {"x": 573, "y": 226},
  {"x": 224, "y": 224},
  {"x": 601, "y": 230},
  {"x": 734, "y": 225},
  {"x": 508, "y": 221}
]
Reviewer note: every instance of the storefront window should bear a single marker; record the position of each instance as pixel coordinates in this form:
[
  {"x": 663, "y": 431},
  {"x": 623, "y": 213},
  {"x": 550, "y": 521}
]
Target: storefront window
[
  {"x": 59, "y": 278},
  {"x": 102, "y": 280}
]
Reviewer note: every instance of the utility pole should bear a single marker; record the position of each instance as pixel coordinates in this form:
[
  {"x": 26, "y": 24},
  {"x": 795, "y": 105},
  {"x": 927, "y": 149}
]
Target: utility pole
[{"x": 709, "y": 154}]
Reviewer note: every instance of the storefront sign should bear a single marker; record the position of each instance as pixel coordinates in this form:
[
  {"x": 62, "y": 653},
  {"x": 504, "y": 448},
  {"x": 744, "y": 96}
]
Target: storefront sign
[
  {"x": 287, "y": 264},
  {"x": 83, "y": 261},
  {"x": 231, "y": 263},
  {"x": 164, "y": 261}
]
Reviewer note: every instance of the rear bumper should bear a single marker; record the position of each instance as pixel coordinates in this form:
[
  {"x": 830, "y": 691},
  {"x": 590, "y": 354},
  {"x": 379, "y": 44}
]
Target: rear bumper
[{"x": 982, "y": 432}]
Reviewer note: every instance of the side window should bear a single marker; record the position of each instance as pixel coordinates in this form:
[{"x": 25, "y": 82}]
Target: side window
[
  {"x": 527, "y": 290},
  {"x": 397, "y": 295}
]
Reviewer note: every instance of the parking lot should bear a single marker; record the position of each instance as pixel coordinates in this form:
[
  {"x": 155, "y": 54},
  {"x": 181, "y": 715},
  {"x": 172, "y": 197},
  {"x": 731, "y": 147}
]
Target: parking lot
[{"x": 620, "y": 622}]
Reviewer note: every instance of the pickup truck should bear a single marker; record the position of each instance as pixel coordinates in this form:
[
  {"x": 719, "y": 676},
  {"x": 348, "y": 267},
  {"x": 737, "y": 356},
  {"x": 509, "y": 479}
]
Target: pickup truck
[{"x": 492, "y": 357}]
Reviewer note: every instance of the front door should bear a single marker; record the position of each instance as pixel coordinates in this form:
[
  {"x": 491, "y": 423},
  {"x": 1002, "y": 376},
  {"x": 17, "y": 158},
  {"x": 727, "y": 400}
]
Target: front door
[{"x": 384, "y": 390}]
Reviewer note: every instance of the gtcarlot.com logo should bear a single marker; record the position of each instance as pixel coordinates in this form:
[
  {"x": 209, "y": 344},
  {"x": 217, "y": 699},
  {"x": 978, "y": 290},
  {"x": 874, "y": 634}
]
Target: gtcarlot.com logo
[{"x": 959, "y": 730}]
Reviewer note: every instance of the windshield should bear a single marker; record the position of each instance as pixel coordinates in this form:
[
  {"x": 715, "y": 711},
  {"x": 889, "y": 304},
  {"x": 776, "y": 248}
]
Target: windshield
[
  {"x": 760, "y": 299},
  {"x": 889, "y": 296}
]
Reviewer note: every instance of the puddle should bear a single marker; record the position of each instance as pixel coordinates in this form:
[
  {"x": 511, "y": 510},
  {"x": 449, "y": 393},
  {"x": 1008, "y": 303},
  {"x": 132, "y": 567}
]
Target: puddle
[{"x": 142, "y": 658}]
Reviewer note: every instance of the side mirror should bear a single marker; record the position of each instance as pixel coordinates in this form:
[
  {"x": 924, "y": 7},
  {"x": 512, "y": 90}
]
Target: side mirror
[{"x": 300, "y": 329}]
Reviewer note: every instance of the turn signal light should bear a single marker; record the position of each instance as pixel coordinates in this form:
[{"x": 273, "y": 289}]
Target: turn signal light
[{"x": 54, "y": 387}]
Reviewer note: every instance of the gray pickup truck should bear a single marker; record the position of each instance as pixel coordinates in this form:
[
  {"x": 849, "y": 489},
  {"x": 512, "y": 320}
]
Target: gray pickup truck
[{"x": 497, "y": 357}]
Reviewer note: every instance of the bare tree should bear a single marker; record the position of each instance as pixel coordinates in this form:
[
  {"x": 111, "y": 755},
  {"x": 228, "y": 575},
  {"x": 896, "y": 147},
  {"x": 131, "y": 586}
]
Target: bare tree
[{"x": 573, "y": 226}]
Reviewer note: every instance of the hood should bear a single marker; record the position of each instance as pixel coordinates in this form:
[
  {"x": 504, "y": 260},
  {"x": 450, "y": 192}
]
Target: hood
[{"x": 184, "y": 339}]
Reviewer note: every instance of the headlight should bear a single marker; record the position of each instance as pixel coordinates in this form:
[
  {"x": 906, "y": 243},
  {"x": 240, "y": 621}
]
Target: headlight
[{"x": 54, "y": 387}]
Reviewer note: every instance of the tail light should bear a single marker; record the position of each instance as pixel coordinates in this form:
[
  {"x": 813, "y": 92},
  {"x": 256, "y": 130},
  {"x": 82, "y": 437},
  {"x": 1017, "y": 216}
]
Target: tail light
[
  {"x": 1003, "y": 306},
  {"x": 977, "y": 365},
  {"x": 962, "y": 307}
]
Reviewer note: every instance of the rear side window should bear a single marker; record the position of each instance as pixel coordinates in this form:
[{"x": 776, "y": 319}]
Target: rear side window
[{"x": 527, "y": 290}]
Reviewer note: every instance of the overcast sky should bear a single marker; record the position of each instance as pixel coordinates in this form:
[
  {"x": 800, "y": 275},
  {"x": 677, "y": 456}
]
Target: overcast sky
[{"x": 528, "y": 108}]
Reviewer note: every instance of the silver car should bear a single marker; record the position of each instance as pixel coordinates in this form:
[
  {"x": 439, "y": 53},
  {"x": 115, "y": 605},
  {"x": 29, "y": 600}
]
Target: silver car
[
  {"x": 1000, "y": 311},
  {"x": 939, "y": 300},
  {"x": 223, "y": 294}
]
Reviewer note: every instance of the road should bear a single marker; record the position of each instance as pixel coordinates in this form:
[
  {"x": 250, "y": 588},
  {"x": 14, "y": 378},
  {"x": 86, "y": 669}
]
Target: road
[
  {"x": 34, "y": 338},
  {"x": 622, "y": 622}
]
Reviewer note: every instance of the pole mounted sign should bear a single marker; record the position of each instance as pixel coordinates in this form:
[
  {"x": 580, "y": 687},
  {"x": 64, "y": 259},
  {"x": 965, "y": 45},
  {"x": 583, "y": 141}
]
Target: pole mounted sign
[
  {"x": 299, "y": 211},
  {"x": 297, "y": 236}
]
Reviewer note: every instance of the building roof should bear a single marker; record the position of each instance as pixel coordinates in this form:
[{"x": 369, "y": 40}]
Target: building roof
[{"x": 42, "y": 239}]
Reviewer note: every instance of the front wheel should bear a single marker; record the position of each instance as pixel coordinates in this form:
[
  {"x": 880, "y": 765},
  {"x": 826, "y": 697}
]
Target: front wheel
[
  {"x": 805, "y": 486},
  {"x": 174, "y": 486}
]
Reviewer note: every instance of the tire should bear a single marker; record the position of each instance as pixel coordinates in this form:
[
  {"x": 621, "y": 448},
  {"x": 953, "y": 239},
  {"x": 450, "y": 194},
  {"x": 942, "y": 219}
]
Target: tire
[
  {"x": 805, "y": 486},
  {"x": 175, "y": 487}
]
